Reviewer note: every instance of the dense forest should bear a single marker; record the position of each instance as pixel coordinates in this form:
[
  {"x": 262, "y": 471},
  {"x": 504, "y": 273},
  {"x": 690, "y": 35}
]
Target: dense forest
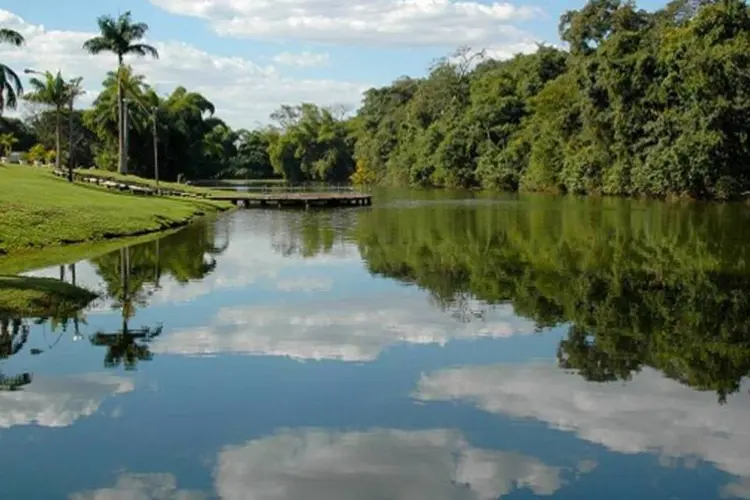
[
  {"x": 642, "y": 104},
  {"x": 638, "y": 103}
]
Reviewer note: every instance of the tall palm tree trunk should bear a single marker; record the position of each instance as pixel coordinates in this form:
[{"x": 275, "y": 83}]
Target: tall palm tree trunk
[
  {"x": 70, "y": 138},
  {"x": 121, "y": 165},
  {"x": 58, "y": 138}
]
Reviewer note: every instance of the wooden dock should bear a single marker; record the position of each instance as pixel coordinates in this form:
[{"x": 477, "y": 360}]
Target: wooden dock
[
  {"x": 296, "y": 200},
  {"x": 263, "y": 198}
]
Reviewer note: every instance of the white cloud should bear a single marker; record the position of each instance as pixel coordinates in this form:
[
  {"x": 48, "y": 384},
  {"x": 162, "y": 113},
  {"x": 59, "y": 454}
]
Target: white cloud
[
  {"x": 302, "y": 59},
  {"x": 371, "y": 22},
  {"x": 503, "y": 52},
  {"x": 353, "y": 330},
  {"x": 305, "y": 284},
  {"x": 141, "y": 487},
  {"x": 243, "y": 92},
  {"x": 382, "y": 463},
  {"x": 651, "y": 414},
  {"x": 59, "y": 401}
]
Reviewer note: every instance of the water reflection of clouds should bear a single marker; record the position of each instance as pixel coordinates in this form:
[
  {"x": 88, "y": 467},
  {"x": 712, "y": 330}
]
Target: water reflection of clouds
[
  {"x": 353, "y": 330},
  {"x": 249, "y": 259},
  {"x": 141, "y": 487},
  {"x": 59, "y": 401},
  {"x": 651, "y": 414},
  {"x": 393, "y": 464}
]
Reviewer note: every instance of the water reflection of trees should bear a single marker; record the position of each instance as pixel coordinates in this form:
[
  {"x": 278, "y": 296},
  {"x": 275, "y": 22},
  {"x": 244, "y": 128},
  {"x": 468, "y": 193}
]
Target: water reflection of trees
[
  {"x": 638, "y": 284},
  {"x": 307, "y": 234},
  {"x": 16, "y": 328},
  {"x": 126, "y": 347},
  {"x": 134, "y": 273},
  {"x": 131, "y": 275}
]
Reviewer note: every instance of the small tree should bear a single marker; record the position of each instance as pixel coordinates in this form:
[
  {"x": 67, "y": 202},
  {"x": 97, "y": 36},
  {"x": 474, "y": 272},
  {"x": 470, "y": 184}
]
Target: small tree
[
  {"x": 7, "y": 141},
  {"x": 37, "y": 153},
  {"x": 363, "y": 175},
  {"x": 50, "y": 156}
]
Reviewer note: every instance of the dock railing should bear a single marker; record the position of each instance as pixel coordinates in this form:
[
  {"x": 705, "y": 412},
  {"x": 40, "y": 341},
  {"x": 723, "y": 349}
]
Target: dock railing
[{"x": 299, "y": 188}]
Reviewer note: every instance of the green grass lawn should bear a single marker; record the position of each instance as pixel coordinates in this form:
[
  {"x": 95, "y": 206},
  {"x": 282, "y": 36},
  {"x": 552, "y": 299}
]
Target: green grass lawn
[
  {"x": 23, "y": 296},
  {"x": 38, "y": 210}
]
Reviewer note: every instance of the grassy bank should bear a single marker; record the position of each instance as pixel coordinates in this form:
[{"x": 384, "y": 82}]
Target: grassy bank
[
  {"x": 143, "y": 182},
  {"x": 39, "y": 210},
  {"x": 23, "y": 296}
]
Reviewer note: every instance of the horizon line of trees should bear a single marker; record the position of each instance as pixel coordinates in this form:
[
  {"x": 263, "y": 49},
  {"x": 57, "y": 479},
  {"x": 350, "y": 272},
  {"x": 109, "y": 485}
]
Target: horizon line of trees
[{"x": 640, "y": 104}]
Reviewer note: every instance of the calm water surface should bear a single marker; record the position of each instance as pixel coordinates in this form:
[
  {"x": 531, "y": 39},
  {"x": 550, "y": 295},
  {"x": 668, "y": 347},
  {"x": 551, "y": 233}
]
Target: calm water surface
[{"x": 430, "y": 347}]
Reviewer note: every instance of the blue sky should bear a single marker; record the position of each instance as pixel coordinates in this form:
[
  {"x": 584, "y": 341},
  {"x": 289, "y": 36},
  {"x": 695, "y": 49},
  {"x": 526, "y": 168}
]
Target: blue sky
[{"x": 267, "y": 53}]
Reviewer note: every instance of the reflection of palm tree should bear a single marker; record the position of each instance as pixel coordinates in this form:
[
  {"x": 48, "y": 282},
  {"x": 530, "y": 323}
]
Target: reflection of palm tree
[
  {"x": 126, "y": 347},
  {"x": 157, "y": 280},
  {"x": 14, "y": 334}
]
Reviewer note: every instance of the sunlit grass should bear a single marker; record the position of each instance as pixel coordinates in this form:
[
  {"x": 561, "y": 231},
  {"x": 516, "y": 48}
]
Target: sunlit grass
[{"x": 38, "y": 210}]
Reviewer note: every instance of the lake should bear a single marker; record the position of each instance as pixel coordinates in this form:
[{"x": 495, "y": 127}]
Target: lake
[{"x": 433, "y": 346}]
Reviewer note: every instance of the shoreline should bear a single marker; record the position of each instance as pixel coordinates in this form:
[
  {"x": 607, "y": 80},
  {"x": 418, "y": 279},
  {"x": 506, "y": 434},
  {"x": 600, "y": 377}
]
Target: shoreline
[
  {"x": 111, "y": 237},
  {"x": 42, "y": 212}
]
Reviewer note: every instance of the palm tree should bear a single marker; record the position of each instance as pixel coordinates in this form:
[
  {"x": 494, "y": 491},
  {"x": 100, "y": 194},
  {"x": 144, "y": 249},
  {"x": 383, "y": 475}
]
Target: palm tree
[
  {"x": 7, "y": 141},
  {"x": 120, "y": 36},
  {"x": 10, "y": 84},
  {"x": 74, "y": 90},
  {"x": 51, "y": 91}
]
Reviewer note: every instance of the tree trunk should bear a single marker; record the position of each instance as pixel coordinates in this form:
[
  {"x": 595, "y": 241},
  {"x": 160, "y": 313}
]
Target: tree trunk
[
  {"x": 121, "y": 166},
  {"x": 70, "y": 140},
  {"x": 58, "y": 139}
]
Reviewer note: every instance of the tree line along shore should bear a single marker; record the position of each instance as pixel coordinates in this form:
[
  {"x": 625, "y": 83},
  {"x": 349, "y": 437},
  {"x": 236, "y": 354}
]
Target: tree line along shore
[{"x": 638, "y": 103}]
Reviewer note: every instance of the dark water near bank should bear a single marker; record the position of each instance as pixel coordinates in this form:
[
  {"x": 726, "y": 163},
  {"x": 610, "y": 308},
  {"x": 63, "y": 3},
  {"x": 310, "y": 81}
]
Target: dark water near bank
[{"x": 429, "y": 347}]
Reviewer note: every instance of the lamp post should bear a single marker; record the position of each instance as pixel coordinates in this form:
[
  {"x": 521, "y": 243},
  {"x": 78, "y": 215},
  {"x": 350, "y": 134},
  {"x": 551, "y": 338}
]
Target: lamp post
[
  {"x": 153, "y": 111},
  {"x": 74, "y": 90},
  {"x": 156, "y": 147}
]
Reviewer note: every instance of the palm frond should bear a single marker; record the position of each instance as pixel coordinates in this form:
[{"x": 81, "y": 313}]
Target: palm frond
[
  {"x": 97, "y": 45},
  {"x": 142, "y": 49},
  {"x": 136, "y": 31},
  {"x": 107, "y": 26},
  {"x": 52, "y": 90},
  {"x": 10, "y": 76},
  {"x": 8, "y": 96},
  {"x": 11, "y": 37}
]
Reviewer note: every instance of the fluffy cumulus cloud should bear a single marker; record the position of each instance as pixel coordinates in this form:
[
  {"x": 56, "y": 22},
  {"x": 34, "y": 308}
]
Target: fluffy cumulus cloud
[
  {"x": 353, "y": 330},
  {"x": 383, "y": 463},
  {"x": 652, "y": 414},
  {"x": 59, "y": 401},
  {"x": 366, "y": 22},
  {"x": 142, "y": 487},
  {"x": 302, "y": 59},
  {"x": 244, "y": 92}
]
